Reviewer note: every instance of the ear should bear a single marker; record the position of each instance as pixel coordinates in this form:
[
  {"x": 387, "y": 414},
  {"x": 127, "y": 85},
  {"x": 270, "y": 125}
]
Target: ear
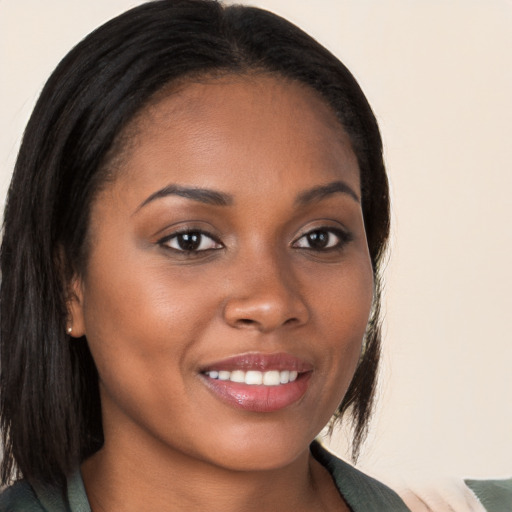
[{"x": 75, "y": 305}]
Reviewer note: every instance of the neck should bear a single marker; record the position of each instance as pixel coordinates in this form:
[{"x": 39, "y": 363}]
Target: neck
[{"x": 135, "y": 476}]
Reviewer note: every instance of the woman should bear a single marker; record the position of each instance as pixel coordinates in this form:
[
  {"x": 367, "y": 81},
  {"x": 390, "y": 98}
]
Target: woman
[{"x": 190, "y": 271}]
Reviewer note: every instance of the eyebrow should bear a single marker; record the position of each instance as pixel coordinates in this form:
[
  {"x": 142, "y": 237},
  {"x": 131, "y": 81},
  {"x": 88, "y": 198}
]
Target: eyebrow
[
  {"x": 216, "y": 198},
  {"x": 324, "y": 191},
  {"x": 202, "y": 195}
]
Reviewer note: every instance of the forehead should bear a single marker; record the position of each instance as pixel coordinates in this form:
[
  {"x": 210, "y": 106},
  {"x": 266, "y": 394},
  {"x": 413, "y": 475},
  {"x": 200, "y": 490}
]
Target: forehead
[{"x": 237, "y": 131}]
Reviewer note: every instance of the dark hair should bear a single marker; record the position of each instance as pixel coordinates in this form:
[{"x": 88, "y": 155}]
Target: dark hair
[{"x": 49, "y": 402}]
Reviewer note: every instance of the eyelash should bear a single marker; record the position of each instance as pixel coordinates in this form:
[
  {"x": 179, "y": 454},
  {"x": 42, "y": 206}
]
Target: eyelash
[
  {"x": 201, "y": 235},
  {"x": 343, "y": 238},
  {"x": 197, "y": 237}
]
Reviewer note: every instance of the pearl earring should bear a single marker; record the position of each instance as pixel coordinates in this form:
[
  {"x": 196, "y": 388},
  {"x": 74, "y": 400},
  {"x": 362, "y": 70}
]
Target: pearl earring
[{"x": 69, "y": 330}]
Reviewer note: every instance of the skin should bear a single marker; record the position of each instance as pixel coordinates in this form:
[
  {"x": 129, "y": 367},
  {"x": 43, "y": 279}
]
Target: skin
[{"x": 155, "y": 315}]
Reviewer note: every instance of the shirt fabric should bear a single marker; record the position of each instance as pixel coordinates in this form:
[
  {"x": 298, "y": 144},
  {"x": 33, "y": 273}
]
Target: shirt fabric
[
  {"x": 361, "y": 492},
  {"x": 495, "y": 495}
]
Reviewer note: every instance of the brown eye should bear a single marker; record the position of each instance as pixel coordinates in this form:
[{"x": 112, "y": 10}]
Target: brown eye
[
  {"x": 323, "y": 239},
  {"x": 319, "y": 239},
  {"x": 191, "y": 241}
]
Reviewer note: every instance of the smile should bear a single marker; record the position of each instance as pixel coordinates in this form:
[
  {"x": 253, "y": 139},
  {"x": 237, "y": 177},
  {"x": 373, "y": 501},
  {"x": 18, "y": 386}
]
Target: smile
[
  {"x": 255, "y": 377},
  {"x": 258, "y": 382}
]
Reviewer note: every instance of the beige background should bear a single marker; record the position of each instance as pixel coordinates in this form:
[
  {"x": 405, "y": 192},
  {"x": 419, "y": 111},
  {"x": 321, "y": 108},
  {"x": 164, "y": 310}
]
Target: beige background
[{"x": 439, "y": 76}]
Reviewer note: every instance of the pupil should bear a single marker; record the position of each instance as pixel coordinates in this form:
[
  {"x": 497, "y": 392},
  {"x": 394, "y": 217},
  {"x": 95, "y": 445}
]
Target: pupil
[
  {"x": 318, "y": 239},
  {"x": 189, "y": 241}
]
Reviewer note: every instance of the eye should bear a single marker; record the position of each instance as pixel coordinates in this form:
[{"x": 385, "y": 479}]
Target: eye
[
  {"x": 190, "y": 241},
  {"x": 323, "y": 239}
]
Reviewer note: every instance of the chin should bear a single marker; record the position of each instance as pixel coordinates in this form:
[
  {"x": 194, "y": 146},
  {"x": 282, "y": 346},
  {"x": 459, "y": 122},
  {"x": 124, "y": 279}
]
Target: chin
[{"x": 253, "y": 452}]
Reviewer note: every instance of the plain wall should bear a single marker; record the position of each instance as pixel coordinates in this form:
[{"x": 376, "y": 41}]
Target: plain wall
[{"x": 438, "y": 74}]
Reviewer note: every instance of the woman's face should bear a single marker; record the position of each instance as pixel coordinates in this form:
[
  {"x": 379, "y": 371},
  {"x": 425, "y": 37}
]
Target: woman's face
[{"x": 227, "y": 256}]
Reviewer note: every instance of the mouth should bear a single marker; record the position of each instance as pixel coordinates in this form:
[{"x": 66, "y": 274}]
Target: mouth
[
  {"x": 255, "y": 377},
  {"x": 258, "y": 382}
]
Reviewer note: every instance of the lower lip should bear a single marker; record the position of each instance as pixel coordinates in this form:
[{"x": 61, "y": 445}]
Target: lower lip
[{"x": 259, "y": 398}]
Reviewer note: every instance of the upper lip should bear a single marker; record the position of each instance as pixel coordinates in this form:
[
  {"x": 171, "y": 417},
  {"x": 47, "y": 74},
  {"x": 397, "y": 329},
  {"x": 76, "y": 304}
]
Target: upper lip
[{"x": 259, "y": 361}]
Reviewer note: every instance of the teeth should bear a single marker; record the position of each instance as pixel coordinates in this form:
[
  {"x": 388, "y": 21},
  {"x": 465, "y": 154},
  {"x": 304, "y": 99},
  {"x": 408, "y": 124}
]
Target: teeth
[
  {"x": 237, "y": 376},
  {"x": 271, "y": 378},
  {"x": 255, "y": 378},
  {"x": 284, "y": 377}
]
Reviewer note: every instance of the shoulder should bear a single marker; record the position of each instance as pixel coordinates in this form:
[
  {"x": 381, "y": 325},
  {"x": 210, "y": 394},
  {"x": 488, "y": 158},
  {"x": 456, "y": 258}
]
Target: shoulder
[
  {"x": 495, "y": 495},
  {"x": 20, "y": 497},
  {"x": 360, "y": 491},
  {"x": 23, "y": 497}
]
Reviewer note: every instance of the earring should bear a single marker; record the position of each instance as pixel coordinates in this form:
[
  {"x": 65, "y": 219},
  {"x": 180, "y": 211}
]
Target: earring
[{"x": 69, "y": 330}]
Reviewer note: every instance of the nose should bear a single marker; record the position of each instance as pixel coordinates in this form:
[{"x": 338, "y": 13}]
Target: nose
[{"x": 265, "y": 297}]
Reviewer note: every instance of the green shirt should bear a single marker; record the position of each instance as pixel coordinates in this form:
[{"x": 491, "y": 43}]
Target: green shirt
[
  {"x": 495, "y": 495},
  {"x": 361, "y": 492}
]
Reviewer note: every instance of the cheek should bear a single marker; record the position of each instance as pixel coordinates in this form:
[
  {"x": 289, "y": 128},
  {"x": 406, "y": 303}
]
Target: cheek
[
  {"x": 342, "y": 310},
  {"x": 344, "y": 302},
  {"x": 142, "y": 327},
  {"x": 141, "y": 318}
]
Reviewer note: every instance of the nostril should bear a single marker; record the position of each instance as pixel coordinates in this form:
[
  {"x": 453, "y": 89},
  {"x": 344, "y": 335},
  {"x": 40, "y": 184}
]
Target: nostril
[
  {"x": 265, "y": 312},
  {"x": 246, "y": 321}
]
